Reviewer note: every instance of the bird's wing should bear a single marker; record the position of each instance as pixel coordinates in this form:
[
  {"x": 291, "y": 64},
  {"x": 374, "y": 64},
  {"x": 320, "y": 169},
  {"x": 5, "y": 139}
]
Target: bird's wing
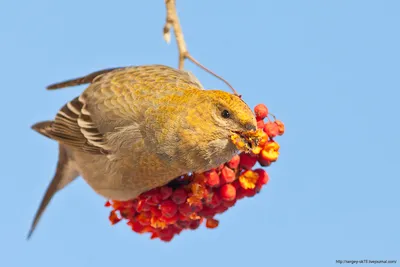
[
  {"x": 111, "y": 109},
  {"x": 120, "y": 97},
  {"x": 184, "y": 76},
  {"x": 73, "y": 127}
]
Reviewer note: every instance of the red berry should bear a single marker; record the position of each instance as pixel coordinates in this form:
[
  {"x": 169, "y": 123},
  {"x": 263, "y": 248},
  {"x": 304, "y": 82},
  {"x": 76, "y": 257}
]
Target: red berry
[
  {"x": 142, "y": 206},
  {"x": 212, "y": 223},
  {"x": 168, "y": 208},
  {"x": 271, "y": 129},
  {"x": 215, "y": 201},
  {"x": 281, "y": 127},
  {"x": 229, "y": 204},
  {"x": 179, "y": 196},
  {"x": 186, "y": 209},
  {"x": 155, "y": 199},
  {"x": 261, "y": 111},
  {"x": 220, "y": 209},
  {"x": 212, "y": 178},
  {"x": 247, "y": 161},
  {"x": 227, "y": 192},
  {"x": 166, "y": 235},
  {"x": 170, "y": 220},
  {"x": 264, "y": 162},
  {"x": 207, "y": 212},
  {"x": 155, "y": 211},
  {"x": 227, "y": 175},
  {"x": 137, "y": 227},
  {"x": 249, "y": 192},
  {"x": 262, "y": 176},
  {"x": 194, "y": 224},
  {"x": 239, "y": 193},
  {"x": 165, "y": 192},
  {"x": 114, "y": 217},
  {"x": 260, "y": 124},
  {"x": 144, "y": 218},
  {"x": 234, "y": 162}
]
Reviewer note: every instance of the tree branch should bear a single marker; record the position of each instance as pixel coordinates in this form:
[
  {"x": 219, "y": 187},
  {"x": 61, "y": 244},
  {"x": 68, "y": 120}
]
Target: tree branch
[{"x": 172, "y": 20}]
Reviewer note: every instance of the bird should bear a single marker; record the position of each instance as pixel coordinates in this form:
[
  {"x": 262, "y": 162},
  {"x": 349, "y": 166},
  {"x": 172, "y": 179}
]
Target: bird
[{"x": 136, "y": 128}]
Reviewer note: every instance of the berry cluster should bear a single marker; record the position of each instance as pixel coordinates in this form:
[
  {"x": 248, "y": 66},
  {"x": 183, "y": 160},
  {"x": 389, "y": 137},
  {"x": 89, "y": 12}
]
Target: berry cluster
[{"x": 190, "y": 199}]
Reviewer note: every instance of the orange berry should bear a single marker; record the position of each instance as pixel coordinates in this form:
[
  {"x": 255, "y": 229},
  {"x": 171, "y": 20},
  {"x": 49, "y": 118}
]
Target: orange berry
[
  {"x": 234, "y": 162},
  {"x": 227, "y": 192},
  {"x": 247, "y": 161},
  {"x": 168, "y": 208},
  {"x": 179, "y": 196},
  {"x": 108, "y": 204},
  {"x": 248, "y": 179},
  {"x": 212, "y": 223},
  {"x": 261, "y": 111},
  {"x": 212, "y": 178},
  {"x": 227, "y": 175},
  {"x": 269, "y": 154}
]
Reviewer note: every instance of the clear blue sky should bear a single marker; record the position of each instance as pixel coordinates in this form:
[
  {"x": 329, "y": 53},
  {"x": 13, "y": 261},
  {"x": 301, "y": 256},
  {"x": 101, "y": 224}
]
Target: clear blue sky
[{"x": 328, "y": 69}]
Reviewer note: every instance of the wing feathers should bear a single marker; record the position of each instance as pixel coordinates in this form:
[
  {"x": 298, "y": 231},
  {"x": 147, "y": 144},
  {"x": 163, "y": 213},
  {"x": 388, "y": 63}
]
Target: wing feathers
[{"x": 72, "y": 127}]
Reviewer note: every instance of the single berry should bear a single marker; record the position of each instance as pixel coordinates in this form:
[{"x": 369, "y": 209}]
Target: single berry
[
  {"x": 281, "y": 127},
  {"x": 227, "y": 192},
  {"x": 168, "y": 208},
  {"x": 234, "y": 162},
  {"x": 227, "y": 175},
  {"x": 165, "y": 192},
  {"x": 212, "y": 178},
  {"x": 247, "y": 161},
  {"x": 212, "y": 223},
  {"x": 263, "y": 177},
  {"x": 179, "y": 196},
  {"x": 271, "y": 129},
  {"x": 261, "y": 111}
]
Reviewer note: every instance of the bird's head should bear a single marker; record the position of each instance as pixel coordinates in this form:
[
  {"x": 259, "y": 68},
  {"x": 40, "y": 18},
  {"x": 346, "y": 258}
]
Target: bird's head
[{"x": 227, "y": 120}]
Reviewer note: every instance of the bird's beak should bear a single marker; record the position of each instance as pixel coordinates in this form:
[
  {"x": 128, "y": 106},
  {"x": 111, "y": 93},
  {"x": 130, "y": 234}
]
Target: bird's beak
[{"x": 247, "y": 141}]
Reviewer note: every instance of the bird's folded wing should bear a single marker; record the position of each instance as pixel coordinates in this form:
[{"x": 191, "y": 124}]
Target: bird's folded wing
[{"x": 74, "y": 127}]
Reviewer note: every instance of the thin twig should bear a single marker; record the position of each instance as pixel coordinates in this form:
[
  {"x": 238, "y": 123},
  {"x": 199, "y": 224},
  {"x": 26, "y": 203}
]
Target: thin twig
[{"x": 172, "y": 20}]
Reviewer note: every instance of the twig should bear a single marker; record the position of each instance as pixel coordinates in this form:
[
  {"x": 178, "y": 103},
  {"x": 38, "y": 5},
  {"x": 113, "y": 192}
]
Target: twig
[{"x": 173, "y": 21}]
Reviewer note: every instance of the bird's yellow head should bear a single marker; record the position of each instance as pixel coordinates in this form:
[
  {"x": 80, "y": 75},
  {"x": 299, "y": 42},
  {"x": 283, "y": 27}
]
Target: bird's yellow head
[{"x": 224, "y": 120}]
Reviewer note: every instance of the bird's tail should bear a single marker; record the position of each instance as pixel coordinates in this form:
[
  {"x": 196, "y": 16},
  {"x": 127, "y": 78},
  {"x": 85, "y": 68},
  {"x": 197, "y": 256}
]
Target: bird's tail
[{"x": 65, "y": 174}]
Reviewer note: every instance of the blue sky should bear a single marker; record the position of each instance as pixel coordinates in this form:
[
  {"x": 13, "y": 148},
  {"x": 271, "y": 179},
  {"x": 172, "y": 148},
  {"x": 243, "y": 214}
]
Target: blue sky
[{"x": 328, "y": 69}]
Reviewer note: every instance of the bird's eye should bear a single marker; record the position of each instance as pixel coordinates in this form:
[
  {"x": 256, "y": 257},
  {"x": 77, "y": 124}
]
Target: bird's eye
[{"x": 225, "y": 114}]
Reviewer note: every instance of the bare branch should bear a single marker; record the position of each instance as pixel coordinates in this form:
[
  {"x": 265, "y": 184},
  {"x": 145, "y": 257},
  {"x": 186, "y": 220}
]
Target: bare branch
[{"x": 172, "y": 20}]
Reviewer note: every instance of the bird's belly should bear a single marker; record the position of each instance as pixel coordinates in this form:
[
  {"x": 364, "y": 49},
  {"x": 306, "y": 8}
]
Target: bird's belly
[{"x": 127, "y": 177}]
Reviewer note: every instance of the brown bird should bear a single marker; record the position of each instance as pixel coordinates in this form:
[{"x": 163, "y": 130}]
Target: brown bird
[{"x": 137, "y": 128}]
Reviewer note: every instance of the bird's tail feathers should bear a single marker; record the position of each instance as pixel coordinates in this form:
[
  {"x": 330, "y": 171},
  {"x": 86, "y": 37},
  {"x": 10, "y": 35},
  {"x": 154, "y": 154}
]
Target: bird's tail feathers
[{"x": 65, "y": 174}]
